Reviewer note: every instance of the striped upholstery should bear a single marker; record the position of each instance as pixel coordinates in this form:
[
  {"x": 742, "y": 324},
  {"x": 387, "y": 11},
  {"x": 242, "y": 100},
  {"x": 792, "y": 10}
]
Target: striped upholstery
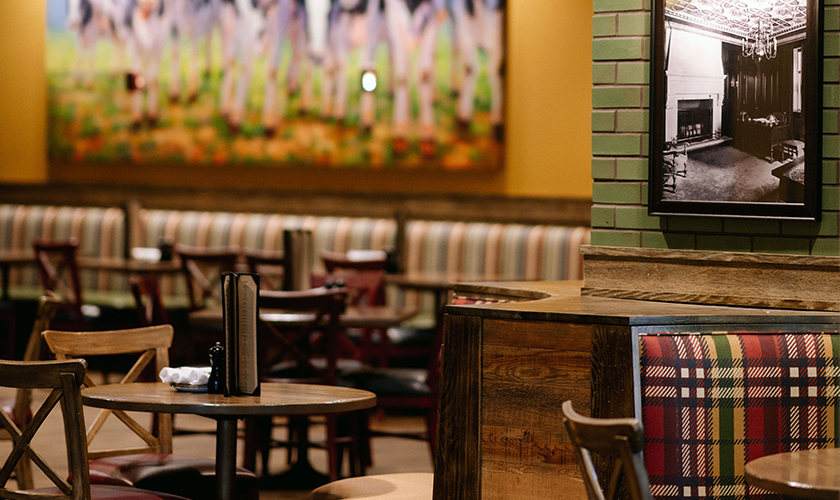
[
  {"x": 711, "y": 403},
  {"x": 478, "y": 251},
  {"x": 474, "y": 251},
  {"x": 260, "y": 232},
  {"x": 100, "y": 232}
]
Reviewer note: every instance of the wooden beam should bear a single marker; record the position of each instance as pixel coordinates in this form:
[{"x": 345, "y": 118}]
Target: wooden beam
[{"x": 729, "y": 278}]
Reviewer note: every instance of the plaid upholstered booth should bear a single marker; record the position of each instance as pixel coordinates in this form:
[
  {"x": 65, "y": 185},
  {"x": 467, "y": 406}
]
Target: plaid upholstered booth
[{"x": 712, "y": 402}]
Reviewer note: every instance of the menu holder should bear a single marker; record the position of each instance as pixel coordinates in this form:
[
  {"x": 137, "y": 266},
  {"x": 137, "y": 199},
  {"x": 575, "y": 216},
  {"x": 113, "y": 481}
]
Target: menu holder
[
  {"x": 240, "y": 308},
  {"x": 298, "y": 247}
]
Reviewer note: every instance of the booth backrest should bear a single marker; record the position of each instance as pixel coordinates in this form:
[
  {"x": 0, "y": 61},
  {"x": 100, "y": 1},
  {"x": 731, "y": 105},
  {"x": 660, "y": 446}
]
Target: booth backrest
[
  {"x": 713, "y": 402},
  {"x": 99, "y": 231},
  {"x": 255, "y": 231},
  {"x": 482, "y": 251},
  {"x": 466, "y": 251}
]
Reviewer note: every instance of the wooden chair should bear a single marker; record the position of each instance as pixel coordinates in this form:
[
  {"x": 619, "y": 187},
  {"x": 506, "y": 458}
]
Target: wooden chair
[
  {"x": 20, "y": 407},
  {"x": 364, "y": 279},
  {"x": 622, "y": 438},
  {"x": 399, "y": 388},
  {"x": 152, "y": 465},
  {"x": 201, "y": 269},
  {"x": 58, "y": 268},
  {"x": 407, "y": 486},
  {"x": 269, "y": 265},
  {"x": 146, "y": 292},
  {"x": 288, "y": 358},
  {"x": 63, "y": 379}
]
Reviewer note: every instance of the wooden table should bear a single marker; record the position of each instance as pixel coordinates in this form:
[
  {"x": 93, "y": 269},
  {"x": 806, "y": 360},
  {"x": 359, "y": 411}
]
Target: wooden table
[
  {"x": 275, "y": 399},
  {"x": 804, "y": 474}
]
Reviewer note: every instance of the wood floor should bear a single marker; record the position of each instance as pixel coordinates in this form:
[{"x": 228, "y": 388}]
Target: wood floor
[{"x": 389, "y": 454}]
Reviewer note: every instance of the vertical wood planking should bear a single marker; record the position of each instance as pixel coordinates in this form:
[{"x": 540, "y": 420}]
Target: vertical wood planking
[
  {"x": 457, "y": 458},
  {"x": 528, "y": 369}
]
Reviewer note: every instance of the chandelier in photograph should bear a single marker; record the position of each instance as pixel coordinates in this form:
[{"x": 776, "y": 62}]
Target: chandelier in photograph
[{"x": 760, "y": 41}]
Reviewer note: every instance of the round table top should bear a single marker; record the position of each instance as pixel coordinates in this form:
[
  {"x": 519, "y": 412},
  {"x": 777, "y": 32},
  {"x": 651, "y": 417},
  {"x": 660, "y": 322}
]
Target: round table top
[
  {"x": 805, "y": 473},
  {"x": 274, "y": 399}
]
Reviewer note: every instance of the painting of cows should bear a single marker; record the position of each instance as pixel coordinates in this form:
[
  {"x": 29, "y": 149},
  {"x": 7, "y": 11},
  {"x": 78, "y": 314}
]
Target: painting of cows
[{"x": 332, "y": 83}]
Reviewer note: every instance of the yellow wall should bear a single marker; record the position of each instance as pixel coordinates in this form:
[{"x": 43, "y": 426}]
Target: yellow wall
[
  {"x": 548, "y": 115},
  {"x": 23, "y": 91}
]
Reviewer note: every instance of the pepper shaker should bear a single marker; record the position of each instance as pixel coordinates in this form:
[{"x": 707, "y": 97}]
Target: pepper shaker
[{"x": 215, "y": 384}]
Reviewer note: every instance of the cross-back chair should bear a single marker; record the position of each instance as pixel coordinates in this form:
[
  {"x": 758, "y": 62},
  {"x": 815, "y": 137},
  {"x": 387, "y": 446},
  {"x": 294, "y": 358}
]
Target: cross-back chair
[
  {"x": 63, "y": 379},
  {"x": 151, "y": 464},
  {"x": 20, "y": 407},
  {"x": 289, "y": 320},
  {"x": 269, "y": 265},
  {"x": 58, "y": 269},
  {"x": 362, "y": 273},
  {"x": 201, "y": 269},
  {"x": 146, "y": 292},
  {"x": 622, "y": 438}
]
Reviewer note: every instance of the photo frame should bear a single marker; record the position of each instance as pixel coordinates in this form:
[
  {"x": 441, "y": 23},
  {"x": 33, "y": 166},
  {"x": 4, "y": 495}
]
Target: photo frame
[
  {"x": 318, "y": 84},
  {"x": 735, "y": 108}
]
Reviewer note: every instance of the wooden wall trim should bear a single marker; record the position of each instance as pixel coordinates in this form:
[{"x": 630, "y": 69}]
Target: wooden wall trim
[
  {"x": 729, "y": 278},
  {"x": 460, "y": 207}
]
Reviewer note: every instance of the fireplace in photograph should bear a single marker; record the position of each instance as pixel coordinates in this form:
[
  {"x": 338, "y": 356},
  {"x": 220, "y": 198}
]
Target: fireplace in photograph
[{"x": 694, "y": 119}]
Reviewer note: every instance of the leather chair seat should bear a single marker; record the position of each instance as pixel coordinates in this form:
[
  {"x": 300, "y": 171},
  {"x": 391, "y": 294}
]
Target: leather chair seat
[
  {"x": 390, "y": 381},
  {"x": 402, "y": 336},
  {"x": 408, "y": 486},
  {"x": 174, "y": 474},
  {"x": 289, "y": 371}
]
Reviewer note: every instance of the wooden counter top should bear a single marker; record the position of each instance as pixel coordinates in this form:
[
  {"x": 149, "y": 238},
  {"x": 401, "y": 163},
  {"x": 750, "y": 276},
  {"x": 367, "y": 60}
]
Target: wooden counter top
[{"x": 562, "y": 301}]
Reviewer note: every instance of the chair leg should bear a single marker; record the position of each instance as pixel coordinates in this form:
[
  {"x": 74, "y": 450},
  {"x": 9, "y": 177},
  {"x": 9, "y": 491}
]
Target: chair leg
[
  {"x": 249, "y": 451},
  {"x": 332, "y": 447}
]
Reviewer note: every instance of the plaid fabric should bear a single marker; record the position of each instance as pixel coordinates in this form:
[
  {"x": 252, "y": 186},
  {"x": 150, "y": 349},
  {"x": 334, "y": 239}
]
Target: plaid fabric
[{"x": 711, "y": 403}]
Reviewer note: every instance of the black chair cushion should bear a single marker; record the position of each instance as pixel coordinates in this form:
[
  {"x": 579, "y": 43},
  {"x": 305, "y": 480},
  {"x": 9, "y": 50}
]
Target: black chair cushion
[
  {"x": 289, "y": 371},
  {"x": 187, "y": 476},
  {"x": 390, "y": 381}
]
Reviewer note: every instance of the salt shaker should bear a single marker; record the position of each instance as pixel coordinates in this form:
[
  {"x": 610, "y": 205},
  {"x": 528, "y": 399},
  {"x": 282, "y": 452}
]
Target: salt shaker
[{"x": 216, "y": 382}]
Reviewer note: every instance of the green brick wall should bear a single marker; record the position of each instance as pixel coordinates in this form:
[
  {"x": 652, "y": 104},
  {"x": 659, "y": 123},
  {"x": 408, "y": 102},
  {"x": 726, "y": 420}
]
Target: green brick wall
[{"x": 621, "y": 54}]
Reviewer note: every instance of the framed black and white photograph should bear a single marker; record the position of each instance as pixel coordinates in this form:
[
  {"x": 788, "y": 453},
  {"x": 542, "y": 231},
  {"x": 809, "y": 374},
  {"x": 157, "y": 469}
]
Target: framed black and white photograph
[{"x": 735, "y": 108}]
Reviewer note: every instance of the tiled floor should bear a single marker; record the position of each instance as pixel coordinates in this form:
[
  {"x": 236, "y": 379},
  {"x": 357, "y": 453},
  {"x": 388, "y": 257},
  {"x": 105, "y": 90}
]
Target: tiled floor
[{"x": 389, "y": 454}]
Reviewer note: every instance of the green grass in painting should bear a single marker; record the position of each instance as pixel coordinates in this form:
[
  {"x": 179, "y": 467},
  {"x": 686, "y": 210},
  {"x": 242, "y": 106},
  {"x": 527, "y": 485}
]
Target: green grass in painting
[{"x": 98, "y": 119}]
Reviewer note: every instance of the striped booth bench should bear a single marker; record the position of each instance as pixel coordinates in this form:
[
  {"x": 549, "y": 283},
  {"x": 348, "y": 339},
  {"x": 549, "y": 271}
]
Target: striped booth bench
[
  {"x": 464, "y": 251},
  {"x": 255, "y": 231},
  {"x": 482, "y": 251},
  {"x": 99, "y": 231},
  {"x": 713, "y": 402}
]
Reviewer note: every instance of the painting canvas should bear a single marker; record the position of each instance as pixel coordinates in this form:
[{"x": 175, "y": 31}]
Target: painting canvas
[
  {"x": 735, "y": 116},
  {"x": 275, "y": 83}
]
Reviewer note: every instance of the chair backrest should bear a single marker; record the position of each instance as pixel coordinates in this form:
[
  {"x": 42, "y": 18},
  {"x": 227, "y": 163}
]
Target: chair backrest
[
  {"x": 22, "y": 409},
  {"x": 202, "y": 268},
  {"x": 270, "y": 266},
  {"x": 364, "y": 276},
  {"x": 302, "y": 314},
  {"x": 58, "y": 267},
  {"x": 146, "y": 292},
  {"x": 64, "y": 379},
  {"x": 152, "y": 343},
  {"x": 620, "y": 438}
]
